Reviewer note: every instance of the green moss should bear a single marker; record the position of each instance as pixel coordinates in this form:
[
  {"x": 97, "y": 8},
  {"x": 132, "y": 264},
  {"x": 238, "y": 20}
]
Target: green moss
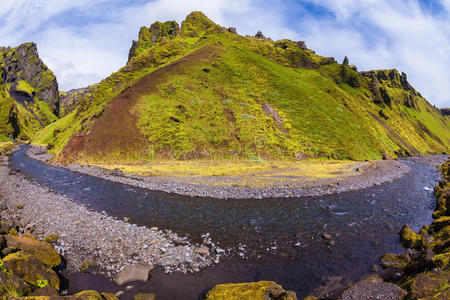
[
  {"x": 254, "y": 98},
  {"x": 88, "y": 295},
  {"x": 249, "y": 291},
  {"x": 442, "y": 260},
  {"x": 30, "y": 269},
  {"x": 24, "y": 86},
  {"x": 52, "y": 238},
  {"x": 409, "y": 238},
  {"x": 394, "y": 261}
]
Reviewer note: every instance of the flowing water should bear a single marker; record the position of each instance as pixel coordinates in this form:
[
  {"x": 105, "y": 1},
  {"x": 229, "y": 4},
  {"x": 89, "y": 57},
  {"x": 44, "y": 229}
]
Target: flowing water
[{"x": 280, "y": 239}]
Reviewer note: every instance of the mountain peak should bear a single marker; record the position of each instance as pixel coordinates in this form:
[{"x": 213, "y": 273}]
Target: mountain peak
[
  {"x": 153, "y": 34},
  {"x": 197, "y": 23}
]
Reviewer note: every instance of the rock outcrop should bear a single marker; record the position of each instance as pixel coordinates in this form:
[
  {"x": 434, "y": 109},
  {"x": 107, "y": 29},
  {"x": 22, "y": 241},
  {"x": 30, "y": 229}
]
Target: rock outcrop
[
  {"x": 29, "y": 98},
  {"x": 28, "y": 77},
  {"x": 261, "y": 290},
  {"x": 373, "y": 287},
  {"x": 69, "y": 101},
  {"x": 197, "y": 90},
  {"x": 380, "y": 80},
  {"x": 153, "y": 34},
  {"x": 28, "y": 269}
]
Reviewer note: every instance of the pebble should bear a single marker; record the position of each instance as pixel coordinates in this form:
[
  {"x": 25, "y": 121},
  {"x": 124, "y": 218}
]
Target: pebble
[
  {"x": 326, "y": 236},
  {"x": 86, "y": 235},
  {"x": 383, "y": 171}
]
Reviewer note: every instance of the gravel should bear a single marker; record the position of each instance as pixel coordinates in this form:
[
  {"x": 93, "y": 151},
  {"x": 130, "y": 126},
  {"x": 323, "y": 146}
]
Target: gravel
[
  {"x": 87, "y": 237},
  {"x": 368, "y": 175}
]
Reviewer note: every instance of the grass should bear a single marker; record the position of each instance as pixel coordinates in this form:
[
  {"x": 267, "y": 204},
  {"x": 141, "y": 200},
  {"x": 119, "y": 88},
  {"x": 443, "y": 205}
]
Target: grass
[
  {"x": 244, "y": 172},
  {"x": 253, "y": 98}
]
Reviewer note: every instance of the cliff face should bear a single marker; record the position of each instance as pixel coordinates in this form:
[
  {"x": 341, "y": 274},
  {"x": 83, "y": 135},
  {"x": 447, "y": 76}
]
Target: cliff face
[
  {"x": 70, "y": 100},
  {"x": 28, "y": 92},
  {"x": 204, "y": 91}
]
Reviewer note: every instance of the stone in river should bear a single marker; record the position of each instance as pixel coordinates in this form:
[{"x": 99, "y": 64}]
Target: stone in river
[
  {"x": 202, "y": 250},
  {"x": 373, "y": 287},
  {"x": 137, "y": 272}
]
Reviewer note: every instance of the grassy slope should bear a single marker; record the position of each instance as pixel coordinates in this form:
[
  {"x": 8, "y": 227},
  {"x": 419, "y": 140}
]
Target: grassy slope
[{"x": 250, "y": 98}]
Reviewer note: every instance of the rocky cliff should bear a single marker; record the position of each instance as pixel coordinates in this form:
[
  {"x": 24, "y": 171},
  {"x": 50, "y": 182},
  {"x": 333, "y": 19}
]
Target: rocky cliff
[
  {"x": 200, "y": 90},
  {"x": 28, "y": 92},
  {"x": 70, "y": 100}
]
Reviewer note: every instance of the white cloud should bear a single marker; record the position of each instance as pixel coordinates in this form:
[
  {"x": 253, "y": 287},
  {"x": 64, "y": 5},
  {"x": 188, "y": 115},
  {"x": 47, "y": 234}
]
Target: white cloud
[
  {"x": 372, "y": 33},
  {"x": 401, "y": 35}
]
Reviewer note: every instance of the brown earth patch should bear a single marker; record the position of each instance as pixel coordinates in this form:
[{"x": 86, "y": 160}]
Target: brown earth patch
[
  {"x": 115, "y": 134},
  {"x": 271, "y": 112}
]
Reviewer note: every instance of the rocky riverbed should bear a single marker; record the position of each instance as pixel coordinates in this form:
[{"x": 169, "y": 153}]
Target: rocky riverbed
[
  {"x": 380, "y": 172},
  {"x": 94, "y": 239}
]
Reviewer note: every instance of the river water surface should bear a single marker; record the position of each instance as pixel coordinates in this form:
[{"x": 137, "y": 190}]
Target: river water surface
[{"x": 280, "y": 239}]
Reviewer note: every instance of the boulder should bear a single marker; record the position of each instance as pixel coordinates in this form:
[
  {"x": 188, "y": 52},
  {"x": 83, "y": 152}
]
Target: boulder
[
  {"x": 5, "y": 226},
  {"x": 441, "y": 260},
  {"x": 409, "y": 238},
  {"x": 109, "y": 296},
  {"x": 394, "y": 261},
  {"x": 144, "y": 296},
  {"x": 41, "y": 250},
  {"x": 138, "y": 272},
  {"x": 232, "y": 30},
  {"x": 46, "y": 291},
  {"x": 202, "y": 250},
  {"x": 52, "y": 238},
  {"x": 373, "y": 287},
  {"x": 429, "y": 285},
  {"x": 261, "y": 290},
  {"x": 12, "y": 281},
  {"x": 30, "y": 269},
  {"x": 87, "y": 295},
  {"x": 440, "y": 223}
]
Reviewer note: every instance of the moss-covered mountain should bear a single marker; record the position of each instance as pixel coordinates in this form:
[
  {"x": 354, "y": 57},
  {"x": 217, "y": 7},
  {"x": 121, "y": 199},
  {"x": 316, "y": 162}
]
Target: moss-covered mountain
[
  {"x": 29, "y": 98},
  {"x": 200, "y": 90},
  {"x": 69, "y": 101}
]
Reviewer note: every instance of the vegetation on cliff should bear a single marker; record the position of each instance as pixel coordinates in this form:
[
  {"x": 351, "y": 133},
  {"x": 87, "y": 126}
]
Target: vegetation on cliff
[
  {"x": 29, "y": 98},
  {"x": 202, "y": 91}
]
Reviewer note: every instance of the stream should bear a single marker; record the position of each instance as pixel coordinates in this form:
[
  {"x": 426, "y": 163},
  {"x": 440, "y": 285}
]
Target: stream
[{"x": 271, "y": 239}]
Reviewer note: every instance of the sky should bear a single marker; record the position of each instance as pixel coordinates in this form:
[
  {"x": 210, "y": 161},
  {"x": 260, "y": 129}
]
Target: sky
[{"x": 84, "y": 41}]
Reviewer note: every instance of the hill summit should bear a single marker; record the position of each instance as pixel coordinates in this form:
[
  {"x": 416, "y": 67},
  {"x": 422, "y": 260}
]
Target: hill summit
[{"x": 200, "y": 90}]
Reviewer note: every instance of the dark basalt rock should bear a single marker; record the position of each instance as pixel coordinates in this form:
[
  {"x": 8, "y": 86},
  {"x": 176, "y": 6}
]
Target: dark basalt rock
[
  {"x": 259, "y": 35},
  {"x": 302, "y": 45},
  {"x": 153, "y": 34},
  {"x": 232, "y": 30},
  {"x": 23, "y": 63},
  {"x": 445, "y": 111}
]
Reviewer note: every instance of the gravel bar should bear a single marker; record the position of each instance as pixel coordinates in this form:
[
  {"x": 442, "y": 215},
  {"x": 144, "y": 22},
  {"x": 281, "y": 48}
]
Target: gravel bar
[
  {"x": 87, "y": 237},
  {"x": 382, "y": 171}
]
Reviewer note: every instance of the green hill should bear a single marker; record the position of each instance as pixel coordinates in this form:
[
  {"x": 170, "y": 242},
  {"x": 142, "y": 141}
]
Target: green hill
[
  {"x": 203, "y": 91},
  {"x": 28, "y": 93}
]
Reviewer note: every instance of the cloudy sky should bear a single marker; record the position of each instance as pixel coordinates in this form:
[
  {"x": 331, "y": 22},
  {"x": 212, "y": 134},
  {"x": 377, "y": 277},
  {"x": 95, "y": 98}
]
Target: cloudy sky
[{"x": 83, "y": 41}]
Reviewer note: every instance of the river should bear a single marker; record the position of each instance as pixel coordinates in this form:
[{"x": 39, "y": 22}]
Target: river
[{"x": 272, "y": 239}]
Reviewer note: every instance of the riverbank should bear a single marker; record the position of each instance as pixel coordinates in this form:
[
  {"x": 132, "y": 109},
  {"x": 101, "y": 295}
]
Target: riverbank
[
  {"x": 94, "y": 239},
  {"x": 300, "y": 249},
  {"x": 423, "y": 270},
  {"x": 278, "y": 183}
]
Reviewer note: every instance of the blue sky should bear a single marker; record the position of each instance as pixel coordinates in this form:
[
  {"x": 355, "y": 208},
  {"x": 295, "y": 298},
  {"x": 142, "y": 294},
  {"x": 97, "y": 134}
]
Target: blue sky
[{"x": 84, "y": 41}]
